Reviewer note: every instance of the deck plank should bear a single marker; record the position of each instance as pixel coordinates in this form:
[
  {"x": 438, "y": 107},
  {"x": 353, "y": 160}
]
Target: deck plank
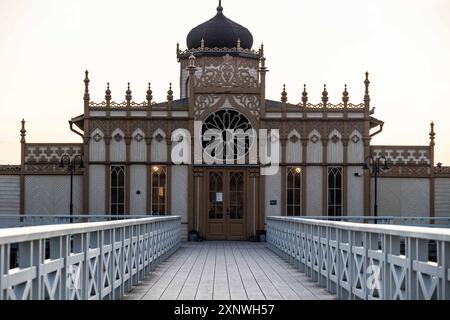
[{"x": 226, "y": 271}]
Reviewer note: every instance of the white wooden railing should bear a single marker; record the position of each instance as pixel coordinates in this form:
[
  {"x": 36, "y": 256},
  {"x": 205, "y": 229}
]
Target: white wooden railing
[
  {"x": 86, "y": 261},
  {"x": 366, "y": 261}
]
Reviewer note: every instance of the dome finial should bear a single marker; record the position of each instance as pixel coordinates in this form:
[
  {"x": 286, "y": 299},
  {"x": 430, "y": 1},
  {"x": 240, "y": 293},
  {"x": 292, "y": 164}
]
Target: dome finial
[{"x": 220, "y": 8}]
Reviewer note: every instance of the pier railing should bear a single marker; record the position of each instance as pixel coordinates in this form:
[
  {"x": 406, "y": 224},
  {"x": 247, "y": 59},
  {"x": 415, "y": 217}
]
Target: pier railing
[
  {"x": 86, "y": 261},
  {"x": 366, "y": 261}
]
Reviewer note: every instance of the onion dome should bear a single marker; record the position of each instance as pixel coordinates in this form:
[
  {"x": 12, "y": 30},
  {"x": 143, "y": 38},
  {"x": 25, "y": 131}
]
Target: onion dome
[{"x": 219, "y": 32}]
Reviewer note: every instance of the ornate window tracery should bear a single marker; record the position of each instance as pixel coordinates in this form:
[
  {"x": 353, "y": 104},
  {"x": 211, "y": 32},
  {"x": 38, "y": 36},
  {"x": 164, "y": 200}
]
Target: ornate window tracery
[
  {"x": 227, "y": 135},
  {"x": 294, "y": 191},
  {"x": 159, "y": 190},
  {"x": 335, "y": 191},
  {"x": 117, "y": 206}
]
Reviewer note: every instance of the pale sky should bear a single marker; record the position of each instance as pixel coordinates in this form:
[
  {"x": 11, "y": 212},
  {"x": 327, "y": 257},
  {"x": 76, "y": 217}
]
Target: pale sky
[{"x": 45, "y": 46}]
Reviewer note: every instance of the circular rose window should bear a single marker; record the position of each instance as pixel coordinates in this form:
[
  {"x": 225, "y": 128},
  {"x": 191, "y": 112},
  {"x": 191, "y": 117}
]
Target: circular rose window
[{"x": 227, "y": 135}]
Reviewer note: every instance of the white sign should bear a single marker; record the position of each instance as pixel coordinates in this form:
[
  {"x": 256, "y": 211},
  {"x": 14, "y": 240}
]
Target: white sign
[{"x": 219, "y": 196}]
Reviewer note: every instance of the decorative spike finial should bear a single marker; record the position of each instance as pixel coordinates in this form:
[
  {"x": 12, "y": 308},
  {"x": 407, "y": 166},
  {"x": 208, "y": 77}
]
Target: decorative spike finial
[
  {"x": 238, "y": 45},
  {"x": 170, "y": 93},
  {"x": 261, "y": 51},
  {"x": 345, "y": 97},
  {"x": 149, "y": 94},
  {"x": 202, "y": 43},
  {"x": 178, "y": 48},
  {"x": 86, "y": 86},
  {"x": 304, "y": 95},
  {"x": 432, "y": 135},
  {"x": 325, "y": 95},
  {"x": 284, "y": 94},
  {"x": 220, "y": 8},
  {"x": 367, "y": 95},
  {"x": 108, "y": 93},
  {"x": 23, "y": 132},
  {"x": 128, "y": 96}
]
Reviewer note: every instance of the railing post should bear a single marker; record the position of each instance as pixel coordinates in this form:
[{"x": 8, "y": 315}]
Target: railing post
[{"x": 31, "y": 256}]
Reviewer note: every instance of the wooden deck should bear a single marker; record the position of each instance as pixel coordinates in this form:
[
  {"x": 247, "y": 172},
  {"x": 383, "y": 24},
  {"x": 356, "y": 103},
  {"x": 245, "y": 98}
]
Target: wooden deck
[{"x": 226, "y": 271}]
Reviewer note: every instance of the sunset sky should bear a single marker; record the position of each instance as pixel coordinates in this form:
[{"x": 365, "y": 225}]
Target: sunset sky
[{"x": 45, "y": 46}]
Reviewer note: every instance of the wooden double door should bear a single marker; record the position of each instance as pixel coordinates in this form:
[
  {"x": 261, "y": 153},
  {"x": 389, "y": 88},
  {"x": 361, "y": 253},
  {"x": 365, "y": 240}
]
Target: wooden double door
[{"x": 226, "y": 205}]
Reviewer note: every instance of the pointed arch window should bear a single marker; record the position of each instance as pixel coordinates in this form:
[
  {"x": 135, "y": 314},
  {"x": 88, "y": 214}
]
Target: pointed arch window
[
  {"x": 159, "y": 190},
  {"x": 335, "y": 191},
  {"x": 294, "y": 191},
  {"x": 117, "y": 205}
]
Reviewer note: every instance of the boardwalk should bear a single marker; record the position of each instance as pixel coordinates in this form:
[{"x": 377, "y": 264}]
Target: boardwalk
[{"x": 226, "y": 271}]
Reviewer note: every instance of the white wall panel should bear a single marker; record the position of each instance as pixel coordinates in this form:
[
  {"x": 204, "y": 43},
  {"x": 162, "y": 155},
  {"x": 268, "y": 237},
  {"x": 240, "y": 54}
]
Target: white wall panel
[
  {"x": 355, "y": 192},
  {"x": 159, "y": 148},
  {"x": 402, "y": 196},
  {"x": 9, "y": 200},
  {"x": 50, "y": 195},
  {"x": 179, "y": 192},
  {"x": 97, "y": 146},
  {"x": 138, "y": 147},
  {"x": 335, "y": 153},
  {"x": 97, "y": 189},
  {"x": 315, "y": 148},
  {"x": 273, "y": 192},
  {"x": 294, "y": 148},
  {"x": 442, "y": 197},
  {"x": 118, "y": 150},
  {"x": 314, "y": 191},
  {"x": 138, "y": 183},
  {"x": 355, "y": 148}
]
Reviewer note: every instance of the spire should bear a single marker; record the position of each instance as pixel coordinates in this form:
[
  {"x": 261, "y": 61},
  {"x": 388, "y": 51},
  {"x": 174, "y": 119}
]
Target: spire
[
  {"x": 345, "y": 98},
  {"x": 149, "y": 94},
  {"x": 261, "y": 50},
  {"x": 220, "y": 8},
  {"x": 86, "y": 86},
  {"x": 170, "y": 93},
  {"x": 432, "y": 135},
  {"x": 23, "y": 132},
  {"x": 325, "y": 96},
  {"x": 284, "y": 94},
  {"x": 108, "y": 94},
  {"x": 304, "y": 96},
  {"x": 367, "y": 96},
  {"x": 128, "y": 97}
]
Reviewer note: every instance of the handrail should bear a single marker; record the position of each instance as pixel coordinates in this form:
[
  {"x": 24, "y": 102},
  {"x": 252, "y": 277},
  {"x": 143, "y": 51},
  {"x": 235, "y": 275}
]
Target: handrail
[
  {"x": 83, "y": 261},
  {"x": 16, "y": 235},
  {"x": 366, "y": 261},
  {"x": 442, "y": 234}
]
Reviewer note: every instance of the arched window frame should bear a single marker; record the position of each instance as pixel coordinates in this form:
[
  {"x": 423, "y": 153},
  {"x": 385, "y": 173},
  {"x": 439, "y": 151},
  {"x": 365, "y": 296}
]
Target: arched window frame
[
  {"x": 159, "y": 190},
  {"x": 335, "y": 191},
  {"x": 294, "y": 191},
  {"x": 117, "y": 190}
]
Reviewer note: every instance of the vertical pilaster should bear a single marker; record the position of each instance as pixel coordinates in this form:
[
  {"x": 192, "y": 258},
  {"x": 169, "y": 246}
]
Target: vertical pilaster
[
  {"x": 107, "y": 175},
  {"x": 128, "y": 175},
  {"x": 304, "y": 172},
  {"x": 345, "y": 178},
  {"x": 148, "y": 140},
  {"x": 325, "y": 174}
]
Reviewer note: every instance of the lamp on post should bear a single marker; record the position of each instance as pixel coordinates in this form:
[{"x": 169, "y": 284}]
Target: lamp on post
[
  {"x": 71, "y": 167},
  {"x": 376, "y": 166}
]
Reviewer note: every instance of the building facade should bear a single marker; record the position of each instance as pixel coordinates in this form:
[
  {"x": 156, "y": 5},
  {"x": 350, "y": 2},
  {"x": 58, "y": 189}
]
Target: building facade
[{"x": 128, "y": 151}]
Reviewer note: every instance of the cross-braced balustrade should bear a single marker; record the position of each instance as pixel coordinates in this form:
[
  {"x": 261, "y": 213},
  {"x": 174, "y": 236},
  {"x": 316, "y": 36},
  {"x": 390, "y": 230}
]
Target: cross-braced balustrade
[
  {"x": 366, "y": 261},
  {"x": 87, "y": 261}
]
